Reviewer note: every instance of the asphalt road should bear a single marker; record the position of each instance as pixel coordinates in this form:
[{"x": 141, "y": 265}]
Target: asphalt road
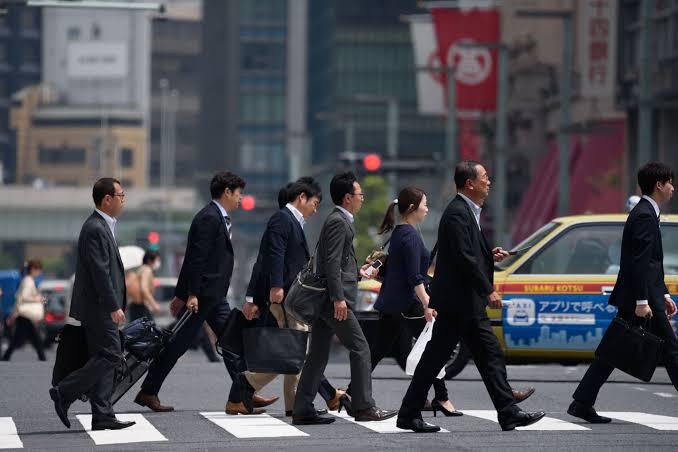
[{"x": 646, "y": 414}]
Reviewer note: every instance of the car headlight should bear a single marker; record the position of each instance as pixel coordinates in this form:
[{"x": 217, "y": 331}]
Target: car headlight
[{"x": 366, "y": 299}]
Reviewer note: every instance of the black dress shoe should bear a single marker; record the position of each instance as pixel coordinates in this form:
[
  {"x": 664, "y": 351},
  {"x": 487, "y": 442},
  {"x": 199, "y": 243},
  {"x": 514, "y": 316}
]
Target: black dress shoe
[
  {"x": 587, "y": 413},
  {"x": 112, "y": 424},
  {"x": 60, "y": 406},
  {"x": 246, "y": 391},
  {"x": 346, "y": 403},
  {"x": 319, "y": 412},
  {"x": 519, "y": 419},
  {"x": 312, "y": 420},
  {"x": 521, "y": 394},
  {"x": 374, "y": 414},
  {"x": 417, "y": 425}
]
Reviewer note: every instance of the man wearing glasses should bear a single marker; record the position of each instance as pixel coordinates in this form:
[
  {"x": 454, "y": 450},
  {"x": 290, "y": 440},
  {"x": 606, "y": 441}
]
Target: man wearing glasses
[{"x": 337, "y": 263}]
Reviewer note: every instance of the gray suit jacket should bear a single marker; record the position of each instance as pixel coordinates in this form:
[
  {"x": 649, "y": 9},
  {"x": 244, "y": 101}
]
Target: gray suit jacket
[
  {"x": 336, "y": 258},
  {"x": 99, "y": 285}
]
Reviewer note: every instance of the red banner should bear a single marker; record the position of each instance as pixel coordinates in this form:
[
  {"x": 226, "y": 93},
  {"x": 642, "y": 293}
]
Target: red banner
[{"x": 475, "y": 68}]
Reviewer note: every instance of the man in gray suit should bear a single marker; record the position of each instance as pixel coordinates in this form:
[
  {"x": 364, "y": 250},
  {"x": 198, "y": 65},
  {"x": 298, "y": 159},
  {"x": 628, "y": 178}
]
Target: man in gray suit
[
  {"x": 337, "y": 263},
  {"x": 98, "y": 302}
]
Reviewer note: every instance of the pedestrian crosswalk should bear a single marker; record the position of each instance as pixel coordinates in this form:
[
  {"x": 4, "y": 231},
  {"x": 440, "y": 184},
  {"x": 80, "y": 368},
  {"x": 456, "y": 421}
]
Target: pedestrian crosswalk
[{"x": 272, "y": 426}]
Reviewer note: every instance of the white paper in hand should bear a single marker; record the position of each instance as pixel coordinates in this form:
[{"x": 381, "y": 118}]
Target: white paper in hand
[{"x": 418, "y": 349}]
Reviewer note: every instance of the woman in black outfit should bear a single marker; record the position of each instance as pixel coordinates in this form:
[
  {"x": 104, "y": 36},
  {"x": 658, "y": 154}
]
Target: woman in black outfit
[{"x": 403, "y": 301}]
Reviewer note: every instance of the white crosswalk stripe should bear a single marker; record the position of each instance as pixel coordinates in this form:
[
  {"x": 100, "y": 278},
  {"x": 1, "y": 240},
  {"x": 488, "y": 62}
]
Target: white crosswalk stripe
[
  {"x": 9, "y": 439},
  {"x": 545, "y": 424},
  {"x": 387, "y": 426},
  {"x": 141, "y": 432},
  {"x": 654, "y": 421},
  {"x": 252, "y": 426}
]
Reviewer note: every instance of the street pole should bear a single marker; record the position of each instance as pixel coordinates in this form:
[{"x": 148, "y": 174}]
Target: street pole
[
  {"x": 451, "y": 127},
  {"x": 644, "y": 68},
  {"x": 349, "y": 140},
  {"x": 565, "y": 120},
  {"x": 164, "y": 157},
  {"x": 501, "y": 149},
  {"x": 392, "y": 127}
]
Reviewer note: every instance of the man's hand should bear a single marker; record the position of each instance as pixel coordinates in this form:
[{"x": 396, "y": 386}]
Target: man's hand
[
  {"x": 643, "y": 310},
  {"x": 340, "y": 310},
  {"x": 250, "y": 310},
  {"x": 499, "y": 254},
  {"x": 670, "y": 306},
  {"x": 429, "y": 314},
  {"x": 494, "y": 300},
  {"x": 176, "y": 305},
  {"x": 192, "y": 304},
  {"x": 276, "y": 295},
  {"x": 365, "y": 274},
  {"x": 118, "y": 317}
]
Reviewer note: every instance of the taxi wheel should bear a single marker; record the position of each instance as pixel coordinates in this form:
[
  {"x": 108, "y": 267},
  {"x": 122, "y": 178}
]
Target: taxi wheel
[{"x": 457, "y": 361}]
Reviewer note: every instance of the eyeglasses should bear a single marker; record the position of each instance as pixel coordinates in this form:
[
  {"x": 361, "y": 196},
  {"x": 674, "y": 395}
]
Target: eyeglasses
[
  {"x": 362, "y": 195},
  {"x": 121, "y": 194}
]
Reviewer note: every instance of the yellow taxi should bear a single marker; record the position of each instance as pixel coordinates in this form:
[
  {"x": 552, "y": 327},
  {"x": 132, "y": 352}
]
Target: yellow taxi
[{"x": 555, "y": 290}]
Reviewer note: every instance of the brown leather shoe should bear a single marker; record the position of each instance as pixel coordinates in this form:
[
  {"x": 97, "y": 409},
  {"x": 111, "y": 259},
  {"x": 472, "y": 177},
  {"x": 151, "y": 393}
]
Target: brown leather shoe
[
  {"x": 239, "y": 408},
  {"x": 521, "y": 395},
  {"x": 260, "y": 401},
  {"x": 152, "y": 402},
  {"x": 333, "y": 404},
  {"x": 374, "y": 414}
]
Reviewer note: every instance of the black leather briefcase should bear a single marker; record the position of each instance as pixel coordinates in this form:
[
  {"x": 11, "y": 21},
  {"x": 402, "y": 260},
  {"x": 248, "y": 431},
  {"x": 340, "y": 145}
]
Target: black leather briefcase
[{"x": 630, "y": 348}]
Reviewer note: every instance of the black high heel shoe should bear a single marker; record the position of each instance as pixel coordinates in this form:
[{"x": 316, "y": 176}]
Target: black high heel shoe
[
  {"x": 437, "y": 406},
  {"x": 346, "y": 404}
]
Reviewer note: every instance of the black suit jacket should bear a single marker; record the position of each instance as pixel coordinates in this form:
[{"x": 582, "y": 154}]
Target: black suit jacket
[
  {"x": 99, "y": 285},
  {"x": 208, "y": 263},
  {"x": 283, "y": 252},
  {"x": 336, "y": 258},
  {"x": 464, "y": 275},
  {"x": 641, "y": 268}
]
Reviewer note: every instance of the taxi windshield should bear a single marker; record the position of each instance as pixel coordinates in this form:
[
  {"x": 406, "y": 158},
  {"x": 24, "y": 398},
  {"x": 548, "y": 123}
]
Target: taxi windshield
[{"x": 529, "y": 242}]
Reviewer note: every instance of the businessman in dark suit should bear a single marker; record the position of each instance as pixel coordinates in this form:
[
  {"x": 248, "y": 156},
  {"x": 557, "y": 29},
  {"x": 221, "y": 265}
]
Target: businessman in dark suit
[
  {"x": 203, "y": 283},
  {"x": 337, "y": 263},
  {"x": 461, "y": 290},
  {"x": 98, "y": 302},
  {"x": 640, "y": 290}
]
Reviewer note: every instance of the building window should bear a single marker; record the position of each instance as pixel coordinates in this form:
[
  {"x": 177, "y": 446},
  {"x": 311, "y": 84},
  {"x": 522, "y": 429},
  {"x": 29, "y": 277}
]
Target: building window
[
  {"x": 28, "y": 18},
  {"x": 61, "y": 156},
  {"x": 126, "y": 158},
  {"x": 30, "y": 54},
  {"x": 73, "y": 33},
  {"x": 262, "y": 56}
]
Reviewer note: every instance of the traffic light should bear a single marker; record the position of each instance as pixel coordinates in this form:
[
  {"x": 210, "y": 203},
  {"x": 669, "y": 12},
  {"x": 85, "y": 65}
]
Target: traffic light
[
  {"x": 153, "y": 240},
  {"x": 248, "y": 202},
  {"x": 372, "y": 162}
]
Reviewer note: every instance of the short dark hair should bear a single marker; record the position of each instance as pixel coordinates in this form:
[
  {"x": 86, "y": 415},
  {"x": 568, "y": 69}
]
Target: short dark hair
[
  {"x": 651, "y": 173},
  {"x": 307, "y": 186},
  {"x": 32, "y": 264},
  {"x": 223, "y": 180},
  {"x": 282, "y": 195},
  {"x": 150, "y": 256},
  {"x": 465, "y": 170},
  {"x": 341, "y": 185},
  {"x": 102, "y": 187}
]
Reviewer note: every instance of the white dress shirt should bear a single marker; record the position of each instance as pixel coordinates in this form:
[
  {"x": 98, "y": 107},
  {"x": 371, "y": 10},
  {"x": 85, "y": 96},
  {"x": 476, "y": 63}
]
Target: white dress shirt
[
  {"x": 475, "y": 208},
  {"x": 225, "y": 215},
  {"x": 297, "y": 214},
  {"x": 348, "y": 214},
  {"x": 110, "y": 221},
  {"x": 656, "y": 211}
]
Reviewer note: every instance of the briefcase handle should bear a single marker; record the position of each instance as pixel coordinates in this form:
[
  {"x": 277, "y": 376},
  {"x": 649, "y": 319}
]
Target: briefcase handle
[{"x": 182, "y": 320}]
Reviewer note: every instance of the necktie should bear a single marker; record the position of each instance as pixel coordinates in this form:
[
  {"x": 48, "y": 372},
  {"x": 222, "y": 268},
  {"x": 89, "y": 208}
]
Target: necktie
[{"x": 228, "y": 225}]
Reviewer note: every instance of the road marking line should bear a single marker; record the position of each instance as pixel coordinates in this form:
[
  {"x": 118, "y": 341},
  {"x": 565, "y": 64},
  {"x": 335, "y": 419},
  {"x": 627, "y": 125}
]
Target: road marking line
[
  {"x": 387, "y": 426},
  {"x": 9, "y": 438},
  {"x": 664, "y": 394},
  {"x": 252, "y": 426},
  {"x": 545, "y": 424},
  {"x": 654, "y": 421},
  {"x": 639, "y": 388},
  {"x": 141, "y": 432}
]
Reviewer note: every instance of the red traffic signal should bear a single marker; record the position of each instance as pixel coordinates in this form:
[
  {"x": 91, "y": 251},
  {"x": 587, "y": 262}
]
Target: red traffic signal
[
  {"x": 372, "y": 162},
  {"x": 248, "y": 202},
  {"x": 153, "y": 237}
]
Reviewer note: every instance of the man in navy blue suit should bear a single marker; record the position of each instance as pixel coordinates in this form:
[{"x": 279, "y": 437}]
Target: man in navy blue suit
[{"x": 283, "y": 252}]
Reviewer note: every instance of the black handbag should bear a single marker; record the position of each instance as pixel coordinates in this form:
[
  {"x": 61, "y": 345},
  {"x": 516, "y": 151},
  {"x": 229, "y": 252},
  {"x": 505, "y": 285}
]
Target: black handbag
[
  {"x": 308, "y": 293},
  {"x": 630, "y": 348},
  {"x": 275, "y": 350},
  {"x": 230, "y": 340},
  {"x": 143, "y": 339}
]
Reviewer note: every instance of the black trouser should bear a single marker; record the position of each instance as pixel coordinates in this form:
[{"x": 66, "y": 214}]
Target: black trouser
[
  {"x": 96, "y": 377},
  {"x": 599, "y": 371},
  {"x": 216, "y": 313},
  {"x": 487, "y": 354},
  {"x": 390, "y": 328},
  {"x": 138, "y": 310},
  {"x": 25, "y": 328}
]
